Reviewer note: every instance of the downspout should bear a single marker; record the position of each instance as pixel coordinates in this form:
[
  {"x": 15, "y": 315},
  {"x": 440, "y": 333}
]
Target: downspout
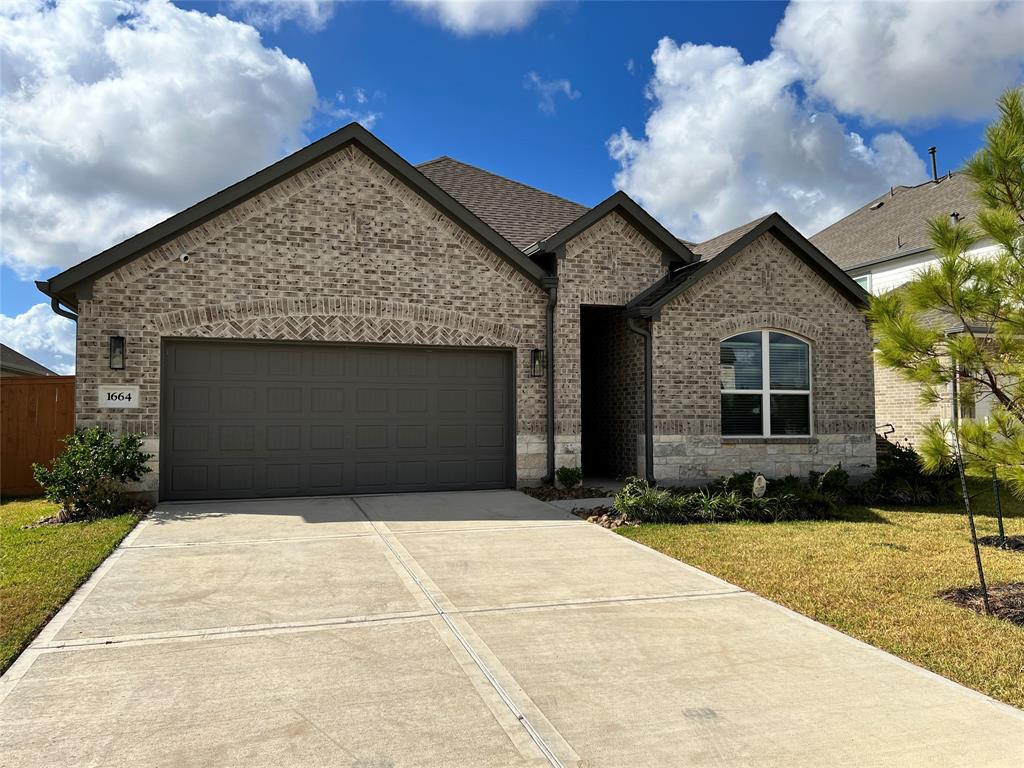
[
  {"x": 55, "y": 306},
  {"x": 645, "y": 333},
  {"x": 551, "y": 283}
]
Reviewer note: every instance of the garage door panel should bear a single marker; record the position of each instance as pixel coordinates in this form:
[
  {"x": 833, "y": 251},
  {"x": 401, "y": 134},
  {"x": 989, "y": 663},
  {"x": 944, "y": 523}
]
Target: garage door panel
[
  {"x": 237, "y": 399},
  {"x": 327, "y": 437},
  {"x": 283, "y": 477},
  {"x": 413, "y": 365},
  {"x": 191, "y": 399},
  {"x": 489, "y": 471},
  {"x": 327, "y": 400},
  {"x": 411, "y": 436},
  {"x": 235, "y": 478},
  {"x": 264, "y": 419}
]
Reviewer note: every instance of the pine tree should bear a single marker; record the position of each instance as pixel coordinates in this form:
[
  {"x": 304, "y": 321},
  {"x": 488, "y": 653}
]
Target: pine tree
[{"x": 959, "y": 325}]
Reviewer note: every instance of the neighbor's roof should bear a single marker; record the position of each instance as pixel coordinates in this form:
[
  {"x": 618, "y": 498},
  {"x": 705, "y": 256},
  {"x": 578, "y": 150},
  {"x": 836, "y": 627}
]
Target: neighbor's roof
[
  {"x": 520, "y": 213},
  {"x": 12, "y": 360},
  {"x": 896, "y": 224}
]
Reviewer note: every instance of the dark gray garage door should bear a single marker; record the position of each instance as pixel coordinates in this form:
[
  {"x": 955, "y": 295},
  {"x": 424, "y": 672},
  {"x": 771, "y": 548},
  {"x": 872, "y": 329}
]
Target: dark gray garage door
[{"x": 260, "y": 419}]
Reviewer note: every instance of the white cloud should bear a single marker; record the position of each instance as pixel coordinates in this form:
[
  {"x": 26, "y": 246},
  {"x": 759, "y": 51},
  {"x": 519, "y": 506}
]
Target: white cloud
[
  {"x": 473, "y": 17},
  {"x": 38, "y": 333},
  {"x": 271, "y": 14},
  {"x": 729, "y": 141},
  {"x": 362, "y": 114},
  {"x": 549, "y": 90},
  {"x": 115, "y": 115},
  {"x": 899, "y": 62}
]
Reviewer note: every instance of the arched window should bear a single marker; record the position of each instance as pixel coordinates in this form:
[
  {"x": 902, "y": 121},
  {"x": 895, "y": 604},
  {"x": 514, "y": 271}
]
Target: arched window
[{"x": 766, "y": 385}]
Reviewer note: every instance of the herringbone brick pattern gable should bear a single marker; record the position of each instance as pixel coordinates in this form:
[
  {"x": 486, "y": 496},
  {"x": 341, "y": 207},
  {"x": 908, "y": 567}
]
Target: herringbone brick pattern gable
[{"x": 338, "y": 329}]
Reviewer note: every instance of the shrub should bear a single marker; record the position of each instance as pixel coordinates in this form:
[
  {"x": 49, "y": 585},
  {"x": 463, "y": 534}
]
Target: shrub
[
  {"x": 87, "y": 479},
  {"x": 642, "y": 502},
  {"x": 834, "y": 482},
  {"x": 570, "y": 477},
  {"x": 899, "y": 479}
]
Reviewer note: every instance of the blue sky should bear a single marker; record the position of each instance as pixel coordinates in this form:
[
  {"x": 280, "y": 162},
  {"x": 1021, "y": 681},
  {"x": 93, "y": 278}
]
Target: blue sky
[{"x": 707, "y": 114}]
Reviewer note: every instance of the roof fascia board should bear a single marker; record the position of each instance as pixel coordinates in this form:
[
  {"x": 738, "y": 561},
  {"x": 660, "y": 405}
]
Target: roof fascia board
[
  {"x": 791, "y": 237},
  {"x": 243, "y": 190},
  {"x": 634, "y": 213}
]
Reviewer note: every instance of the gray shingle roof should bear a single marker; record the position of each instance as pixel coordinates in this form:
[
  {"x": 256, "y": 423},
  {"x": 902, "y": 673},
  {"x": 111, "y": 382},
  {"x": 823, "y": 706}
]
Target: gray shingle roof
[
  {"x": 520, "y": 213},
  {"x": 12, "y": 361},
  {"x": 711, "y": 248},
  {"x": 899, "y": 225}
]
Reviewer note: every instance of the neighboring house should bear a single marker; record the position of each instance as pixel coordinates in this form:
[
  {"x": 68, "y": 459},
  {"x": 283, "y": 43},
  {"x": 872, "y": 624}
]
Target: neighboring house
[
  {"x": 882, "y": 246},
  {"x": 344, "y": 322},
  {"x": 13, "y": 363}
]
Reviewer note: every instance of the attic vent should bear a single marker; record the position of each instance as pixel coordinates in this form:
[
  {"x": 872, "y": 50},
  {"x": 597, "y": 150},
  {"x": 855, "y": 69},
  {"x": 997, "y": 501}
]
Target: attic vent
[{"x": 877, "y": 205}]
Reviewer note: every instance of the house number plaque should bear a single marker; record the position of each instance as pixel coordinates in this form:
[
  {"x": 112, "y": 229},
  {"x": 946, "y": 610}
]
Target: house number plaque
[{"x": 118, "y": 397}]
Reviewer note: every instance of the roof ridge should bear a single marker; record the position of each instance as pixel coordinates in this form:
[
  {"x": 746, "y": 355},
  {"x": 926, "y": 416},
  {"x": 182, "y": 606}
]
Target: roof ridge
[
  {"x": 437, "y": 159},
  {"x": 503, "y": 178}
]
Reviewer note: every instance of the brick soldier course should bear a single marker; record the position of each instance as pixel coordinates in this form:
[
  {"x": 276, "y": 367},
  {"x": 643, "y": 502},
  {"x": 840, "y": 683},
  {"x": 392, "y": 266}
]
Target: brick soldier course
[{"x": 346, "y": 243}]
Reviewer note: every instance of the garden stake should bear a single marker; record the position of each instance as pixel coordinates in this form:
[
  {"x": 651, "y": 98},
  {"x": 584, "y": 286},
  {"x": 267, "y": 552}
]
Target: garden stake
[
  {"x": 966, "y": 493},
  {"x": 999, "y": 509}
]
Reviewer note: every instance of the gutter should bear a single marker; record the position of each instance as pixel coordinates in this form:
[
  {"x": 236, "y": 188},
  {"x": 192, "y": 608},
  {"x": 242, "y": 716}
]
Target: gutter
[
  {"x": 551, "y": 283},
  {"x": 645, "y": 333},
  {"x": 44, "y": 287},
  {"x": 883, "y": 259}
]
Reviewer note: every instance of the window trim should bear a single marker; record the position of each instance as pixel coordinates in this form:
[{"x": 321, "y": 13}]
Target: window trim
[
  {"x": 766, "y": 390},
  {"x": 868, "y": 281}
]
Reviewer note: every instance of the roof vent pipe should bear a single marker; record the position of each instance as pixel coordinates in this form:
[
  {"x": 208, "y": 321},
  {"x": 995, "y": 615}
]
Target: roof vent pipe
[{"x": 935, "y": 165}]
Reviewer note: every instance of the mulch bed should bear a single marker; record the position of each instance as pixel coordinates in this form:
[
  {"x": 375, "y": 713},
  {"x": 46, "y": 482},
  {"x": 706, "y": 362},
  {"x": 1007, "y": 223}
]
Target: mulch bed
[
  {"x": 551, "y": 493},
  {"x": 1012, "y": 543},
  {"x": 1006, "y": 600}
]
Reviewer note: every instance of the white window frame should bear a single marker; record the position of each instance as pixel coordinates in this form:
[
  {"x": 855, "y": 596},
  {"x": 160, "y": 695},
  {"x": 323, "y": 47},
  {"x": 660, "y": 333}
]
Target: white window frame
[
  {"x": 867, "y": 279},
  {"x": 766, "y": 391}
]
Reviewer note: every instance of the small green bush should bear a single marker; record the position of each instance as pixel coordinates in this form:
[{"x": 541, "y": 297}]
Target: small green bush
[
  {"x": 570, "y": 477},
  {"x": 87, "y": 479},
  {"x": 642, "y": 502}
]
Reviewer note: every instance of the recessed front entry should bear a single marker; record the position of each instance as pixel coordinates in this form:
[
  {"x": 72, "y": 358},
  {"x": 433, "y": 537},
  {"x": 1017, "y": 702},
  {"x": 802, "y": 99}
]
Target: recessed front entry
[{"x": 246, "y": 419}]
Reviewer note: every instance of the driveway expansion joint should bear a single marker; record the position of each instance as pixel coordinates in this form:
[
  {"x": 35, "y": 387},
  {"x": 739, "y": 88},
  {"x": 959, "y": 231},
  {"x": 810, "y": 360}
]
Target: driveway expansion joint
[{"x": 538, "y": 740}]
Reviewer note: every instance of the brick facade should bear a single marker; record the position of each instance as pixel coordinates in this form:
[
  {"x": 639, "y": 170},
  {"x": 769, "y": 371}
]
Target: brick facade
[
  {"x": 607, "y": 265},
  {"x": 340, "y": 252},
  {"x": 898, "y": 402},
  {"x": 764, "y": 286}
]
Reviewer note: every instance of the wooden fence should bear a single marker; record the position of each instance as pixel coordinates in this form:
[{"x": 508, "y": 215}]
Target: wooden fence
[{"x": 36, "y": 413}]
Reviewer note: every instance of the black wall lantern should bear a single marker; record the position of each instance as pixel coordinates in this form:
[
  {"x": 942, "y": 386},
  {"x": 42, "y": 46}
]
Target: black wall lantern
[
  {"x": 536, "y": 362},
  {"x": 117, "y": 353}
]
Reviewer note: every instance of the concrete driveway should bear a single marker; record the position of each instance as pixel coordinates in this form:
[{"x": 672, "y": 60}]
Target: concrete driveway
[{"x": 469, "y": 629}]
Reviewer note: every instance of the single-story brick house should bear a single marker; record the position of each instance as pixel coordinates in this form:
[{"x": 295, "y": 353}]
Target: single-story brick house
[{"x": 345, "y": 322}]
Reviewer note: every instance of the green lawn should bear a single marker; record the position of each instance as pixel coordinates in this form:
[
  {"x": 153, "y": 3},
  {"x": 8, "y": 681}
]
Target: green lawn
[
  {"x": 40, "y": 568},
  {"x": 873, "y": 573}
]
